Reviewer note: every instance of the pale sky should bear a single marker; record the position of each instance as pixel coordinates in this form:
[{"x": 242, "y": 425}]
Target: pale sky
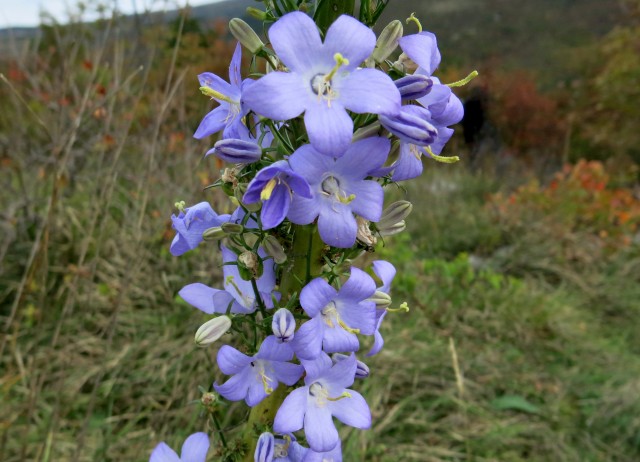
[{"x": 27, "y": 12}]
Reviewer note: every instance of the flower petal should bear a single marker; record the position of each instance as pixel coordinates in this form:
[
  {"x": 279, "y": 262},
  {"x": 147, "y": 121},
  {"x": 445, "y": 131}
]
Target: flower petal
[
  {"x": 235, "y": 78},
  {"x": 369, "y": 198},
  {"x": 329, "y": 127},
  {"x": 358, "y": 287},
  {"x": 275, "y": 209},
  {"x": 337, "y": 226},
  {"x": 319, "y": 429},
  {"x": 296, "y": 41},
  {"x": 213, "y": 122},
  {"x": 287, "y": 373},
  {"x": 408, "y": 165},
  {"x": 303, "y": 211},
  {"x": 422, "y": 48},
  {"x": 195, "y": 448},
  {"x": 351, "y": 38},
  {"x": 353, "y": 411},
  {"x": 370, "y": 152},
  {"x": 199, "y": 296},
  {"x": 237, "y": 387},
  {"x": 278, "y": 96},
  {"x": 272, "y": 350},
  {"x": 385, "y": 272},
  {"x": 307, "y": 343},
  {"x": 369, "y": 90},
  {"x": 290, "y": 416},
  {"x": 336, "y": 340},
  {"x": 163, "y": 453},
  {"x": 231, "y": 361},
  {"x": 316, "y": 295}
]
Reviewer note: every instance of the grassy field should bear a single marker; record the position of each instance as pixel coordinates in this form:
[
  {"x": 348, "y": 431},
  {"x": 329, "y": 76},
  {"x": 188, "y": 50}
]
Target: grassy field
[{"x": 521, "y": 343}]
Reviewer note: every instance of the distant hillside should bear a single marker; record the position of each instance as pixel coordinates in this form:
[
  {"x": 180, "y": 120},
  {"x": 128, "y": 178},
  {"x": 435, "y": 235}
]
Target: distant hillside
[{"x": 539, "y": 35}]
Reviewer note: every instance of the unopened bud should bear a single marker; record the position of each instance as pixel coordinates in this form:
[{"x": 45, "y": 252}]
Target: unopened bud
[
  {"x": 232, "y": 228},
  {"x": 256, "y": 13},
  {"x": 213, "y": 234},
  {"x": 236, "y": 151},
  {"x": 283, "y": 325},
  {"x": 411, "y": 125},
  {"x": 265, "y": 448},
  {"x": 274, "y": 249},
  {"x": 367, "y": 132},
  {"x": 249, "y": 265},
  {"x": 245, "y": 34},
  {"x": 212, "y": 330},
  {"x": 395, "y": 213},
  {"x": 388, "y": 41},
  {"x": 414, "y": 86},
  {"x": 392, "y": 229},
  {"x": 381, "y": 299},
  {"x": 362, "y": 370}
]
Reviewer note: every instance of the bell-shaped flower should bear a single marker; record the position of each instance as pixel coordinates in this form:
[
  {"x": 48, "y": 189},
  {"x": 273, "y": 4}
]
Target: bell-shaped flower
[
  {"x": 238, "y": 295},
  {"x": 423, "y": 50},
  {"x": 385, "y": 272},
  {"x": 194, "y": 449},
  {"x": 339, "y": 189},
  {"x": 275, "y": 186},
  {"x": 324, "y": 396},
  {"x": 228, "y": 115},
  {"x": 190, "y": 223},
  {"x": 336, "y": 316},
  {"x": 323, "y": 80},
  {"x": 256, "y": 377}
]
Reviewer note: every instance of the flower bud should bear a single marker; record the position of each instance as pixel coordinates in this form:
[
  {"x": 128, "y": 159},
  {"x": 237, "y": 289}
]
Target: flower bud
[
  {"x": 283, "y": 325},
  {"x": 411, "y": 125},
  {"x": 264, "y": 448},
  {"x": 232, "y": 228},
  {"x": 274, "y": 249},
  {"x": 245, "y": 34},
  {"x": 381, "y": 299},
  {"x": 236, "y": 151},
  {"x": 395, "y": 213},
  {"x": 256, "y": 13},
  {"x": 414, "y": 86},
  {"x": 362, "y": 370},
  {"x": 213, "y": 234},
  {"x": 249, "y": 265},
  {"x": 387, "y": 41},
  {"x": 212, "y": 330},
  {"x": 392, "y": 229}
]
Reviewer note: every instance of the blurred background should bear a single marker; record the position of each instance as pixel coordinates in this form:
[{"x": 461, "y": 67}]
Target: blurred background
[{"x": 521, "y": 265}]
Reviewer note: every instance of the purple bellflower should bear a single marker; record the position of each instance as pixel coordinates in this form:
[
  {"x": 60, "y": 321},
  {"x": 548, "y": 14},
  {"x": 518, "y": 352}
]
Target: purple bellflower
[
  {"x": 256, "y": 377},
  {"x": 324, "y": 396},
  {"x": 229, "y": 114},
  {"x": 239, "y": 146},
  {"x": 287, "y": 449},
  {"x": 194, "y": 449},
  {"x": 190, "y": 223},
  {"x": 238, "y": 294},
  {"x": 336, "y": 316},
  {"x": 275, "y": 186},
  {"x": 339, "y": 189},
  {"x": 385, "y": 272},
  {"x": 323, "y": 80}
]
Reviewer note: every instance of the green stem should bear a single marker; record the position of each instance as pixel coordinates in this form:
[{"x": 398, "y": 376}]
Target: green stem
[
  {"x": 303, "y": 264},
  {"x": 329, "y": 10}
]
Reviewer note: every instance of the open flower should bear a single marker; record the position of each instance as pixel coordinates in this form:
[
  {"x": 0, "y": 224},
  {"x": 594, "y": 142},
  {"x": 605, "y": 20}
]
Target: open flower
[
  {"x": 190, "y": 223},
  {"x": 324, "y": 396},
  {"x": 275, "y": 186},
  {"x": 339, "y": 189},
  {"x": 323, "y": 80},
  {"x": 238, "y": 295},
  {"x": 194, "y": 449},
  {"x": 255, "y": 377},
  {"x": 336, "y": 316},
  {"x": 228, "y": 115}
]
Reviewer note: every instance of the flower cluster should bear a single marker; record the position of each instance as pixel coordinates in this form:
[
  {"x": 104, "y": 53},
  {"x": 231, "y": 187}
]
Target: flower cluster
[{"x": 311, "y": 145}]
